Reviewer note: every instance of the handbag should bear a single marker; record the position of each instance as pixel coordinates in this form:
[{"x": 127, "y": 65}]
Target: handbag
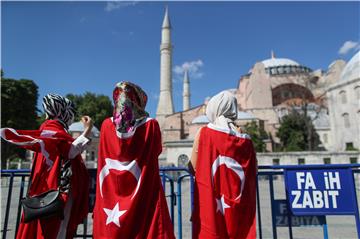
[{"x": 44, "y": 205}]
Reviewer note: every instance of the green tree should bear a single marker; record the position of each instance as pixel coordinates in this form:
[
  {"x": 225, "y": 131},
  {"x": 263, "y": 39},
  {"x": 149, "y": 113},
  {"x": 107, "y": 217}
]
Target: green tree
[
  {"x": 98, "y": 107},
  {"x": 297, "y": 133},
  {"x": 18, "y": 110},
  {"x": 257, "y": 135}
]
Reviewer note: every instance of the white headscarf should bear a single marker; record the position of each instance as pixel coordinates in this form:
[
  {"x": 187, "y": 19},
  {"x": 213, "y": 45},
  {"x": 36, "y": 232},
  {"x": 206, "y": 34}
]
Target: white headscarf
[{"x": 222, "y": 110}]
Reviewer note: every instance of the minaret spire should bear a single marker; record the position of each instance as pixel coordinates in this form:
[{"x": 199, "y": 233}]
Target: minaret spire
[
  {"x": 272, "y": 54},
  {"x": 166, "y": 21},
  {"x": 165, "y": 104},
  {"x": 186, "y": 91}
]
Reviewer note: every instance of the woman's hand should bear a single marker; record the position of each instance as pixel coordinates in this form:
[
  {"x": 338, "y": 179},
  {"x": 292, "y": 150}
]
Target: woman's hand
[{"x": 88, "y": 124}]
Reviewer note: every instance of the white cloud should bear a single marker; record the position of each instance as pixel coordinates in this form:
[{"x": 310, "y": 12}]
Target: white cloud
[
  {"x": 111, "y": 6},
  {"x": 193, "y": 67},
  {"x": 348, "y": 46}
]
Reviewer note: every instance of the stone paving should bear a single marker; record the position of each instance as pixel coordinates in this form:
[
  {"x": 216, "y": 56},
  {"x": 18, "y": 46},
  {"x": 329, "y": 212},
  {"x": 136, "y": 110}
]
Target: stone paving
[{"x": 339, "y": 227}]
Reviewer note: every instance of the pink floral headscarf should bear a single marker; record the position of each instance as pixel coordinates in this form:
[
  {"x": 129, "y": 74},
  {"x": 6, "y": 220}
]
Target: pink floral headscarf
[{"x": 129, "y": 106}]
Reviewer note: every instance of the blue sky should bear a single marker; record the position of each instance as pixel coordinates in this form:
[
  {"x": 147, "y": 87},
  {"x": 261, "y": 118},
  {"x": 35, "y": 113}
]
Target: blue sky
[{"x": 74, "y": 47}]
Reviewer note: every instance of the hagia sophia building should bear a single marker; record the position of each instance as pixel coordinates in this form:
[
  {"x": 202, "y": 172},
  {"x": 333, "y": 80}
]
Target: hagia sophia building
[{"x": 269, "y": 91}]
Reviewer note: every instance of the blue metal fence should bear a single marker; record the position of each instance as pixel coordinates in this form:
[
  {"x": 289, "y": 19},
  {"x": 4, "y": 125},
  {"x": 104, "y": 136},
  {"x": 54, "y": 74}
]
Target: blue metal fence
[{"x": 173, "y": 179}]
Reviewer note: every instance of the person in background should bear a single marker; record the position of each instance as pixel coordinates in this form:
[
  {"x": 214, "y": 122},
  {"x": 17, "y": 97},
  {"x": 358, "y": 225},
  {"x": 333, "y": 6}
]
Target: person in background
[
  {"x": 57, "y": 156},
  {"x": 224, "y": 164},
  {"x": 130, "y": 201}
]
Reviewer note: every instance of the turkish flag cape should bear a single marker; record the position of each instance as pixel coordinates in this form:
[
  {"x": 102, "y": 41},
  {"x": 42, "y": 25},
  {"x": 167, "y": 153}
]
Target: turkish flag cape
[
  {"x": 225, "y": 185},
  {"x": 51, "y": 142},
  {"x": 130, "y": 201}
]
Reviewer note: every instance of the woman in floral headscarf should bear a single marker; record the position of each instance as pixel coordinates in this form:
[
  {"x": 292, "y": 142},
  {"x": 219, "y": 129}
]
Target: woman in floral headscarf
[
  {"x": 130, "y": 201},
  {"x": 130, "y": 101}
]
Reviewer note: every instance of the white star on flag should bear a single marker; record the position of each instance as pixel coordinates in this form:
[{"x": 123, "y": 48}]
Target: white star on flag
[
  {"x": 114, "y": 215},
  {"x": 221, "y": 205}
]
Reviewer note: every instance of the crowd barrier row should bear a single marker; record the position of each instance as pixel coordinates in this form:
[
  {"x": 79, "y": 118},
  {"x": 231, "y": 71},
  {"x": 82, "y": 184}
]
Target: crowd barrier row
[{"x": 173, "y": 179}]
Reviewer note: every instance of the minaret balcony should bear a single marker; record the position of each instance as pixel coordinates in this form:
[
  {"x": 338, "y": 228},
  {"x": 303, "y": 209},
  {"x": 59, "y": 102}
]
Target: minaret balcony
[{"x": 165, "y": 46}]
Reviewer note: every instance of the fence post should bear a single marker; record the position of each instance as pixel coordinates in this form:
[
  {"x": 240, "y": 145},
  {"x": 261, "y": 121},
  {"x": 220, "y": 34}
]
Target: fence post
[
  {"x": 22, "y": 185},
  {"x": 357, "y": 216},
  {"x": 258, "y": 205},
  {"x": 179, "y": 207},
  {"x": 271, "y": 185},
  {"x": 6, "y": 220}
]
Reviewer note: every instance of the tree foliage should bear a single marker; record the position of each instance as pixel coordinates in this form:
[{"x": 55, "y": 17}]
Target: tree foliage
[
  {"x": 18, "y": 110},
  {"x": 98, "y": 107},
  {"x": 297, "y": 133},
  {"x": 257, "y": 135}
]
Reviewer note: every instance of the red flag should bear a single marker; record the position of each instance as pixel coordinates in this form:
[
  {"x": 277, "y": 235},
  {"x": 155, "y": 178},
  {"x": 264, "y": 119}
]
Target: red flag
[
  {"x": 225, "y": 186},
  {"x": 130, "y": 202},
  {"x": 52, "y": 143}
]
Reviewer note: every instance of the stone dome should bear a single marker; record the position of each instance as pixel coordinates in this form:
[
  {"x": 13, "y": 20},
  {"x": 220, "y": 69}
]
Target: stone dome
[
  {"x": 352, "y": 69},
  {"x": 275, "y": 62},
  {"x": 280, "y": 66}
]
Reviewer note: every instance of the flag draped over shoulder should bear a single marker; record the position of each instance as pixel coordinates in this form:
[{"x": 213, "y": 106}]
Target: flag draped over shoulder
[
  {"x": 130, "y": 201},
  {"x": 51, "y": 144},
  {"x": 225, "y": 186}
]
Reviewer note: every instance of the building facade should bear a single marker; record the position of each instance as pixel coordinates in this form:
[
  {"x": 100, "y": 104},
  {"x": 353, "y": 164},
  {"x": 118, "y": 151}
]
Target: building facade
[
  {"x": 344, "y": 107},
  {"x": 271, "y": 89}
]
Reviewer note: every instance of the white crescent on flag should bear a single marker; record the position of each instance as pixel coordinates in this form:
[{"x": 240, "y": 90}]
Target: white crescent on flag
[
  {"x": 115, "y": 164},
  {"x": 231, "y": 164}
]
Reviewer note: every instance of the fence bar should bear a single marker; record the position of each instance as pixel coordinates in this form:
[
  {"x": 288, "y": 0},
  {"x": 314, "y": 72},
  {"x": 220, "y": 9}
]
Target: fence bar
[
  {"x": 192, "y": 200},
  {"x": 165, "y": 177},
  {"x": 271, "y": 185},
  {"x": 179, "y": 207},
  {"x": 172, "y": 200},
  {"x": 22, "y": 185},
  {"x": 357, "y": 216},
  {"x": 258, "y": 206},
  {"x": 163, "y": 181},
  {"x": 325, "y": 231},
  {"x": 85, "y": 228},
  {"x": 8, "y": 203},
  {"x": 289, "y": 218}
]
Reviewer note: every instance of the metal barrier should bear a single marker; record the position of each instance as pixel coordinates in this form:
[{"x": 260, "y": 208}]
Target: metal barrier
[{"x": 169, "y": 176}]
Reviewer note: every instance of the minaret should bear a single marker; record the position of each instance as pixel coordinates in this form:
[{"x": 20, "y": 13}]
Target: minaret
[
  {"x": 272, "y": 54},
  {"x": 186, "y": 91},
  {"x": 165, "y": 105}
]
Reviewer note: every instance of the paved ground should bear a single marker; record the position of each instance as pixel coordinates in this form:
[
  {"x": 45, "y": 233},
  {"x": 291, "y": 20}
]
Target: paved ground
[{"x": 341, "y": 227}]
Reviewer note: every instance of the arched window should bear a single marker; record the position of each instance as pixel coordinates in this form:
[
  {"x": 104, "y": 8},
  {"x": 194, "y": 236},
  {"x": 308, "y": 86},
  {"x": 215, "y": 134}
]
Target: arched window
[
  {"x": 357, "y": 92},
  {"x": 342, "y": 96},
  {"x": 183, "y": 159},
  {"x": 293, "y": 69},
  {"x": 287, "y": 69},
  {"x": 281, "y": 70},
  {"x": 346, "y": 120}
]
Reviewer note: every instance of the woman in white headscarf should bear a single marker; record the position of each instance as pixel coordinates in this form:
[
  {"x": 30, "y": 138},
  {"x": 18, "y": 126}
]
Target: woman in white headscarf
[
  {"x": 224, "y": 165},
  {"x": 221, "y": 111}
]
